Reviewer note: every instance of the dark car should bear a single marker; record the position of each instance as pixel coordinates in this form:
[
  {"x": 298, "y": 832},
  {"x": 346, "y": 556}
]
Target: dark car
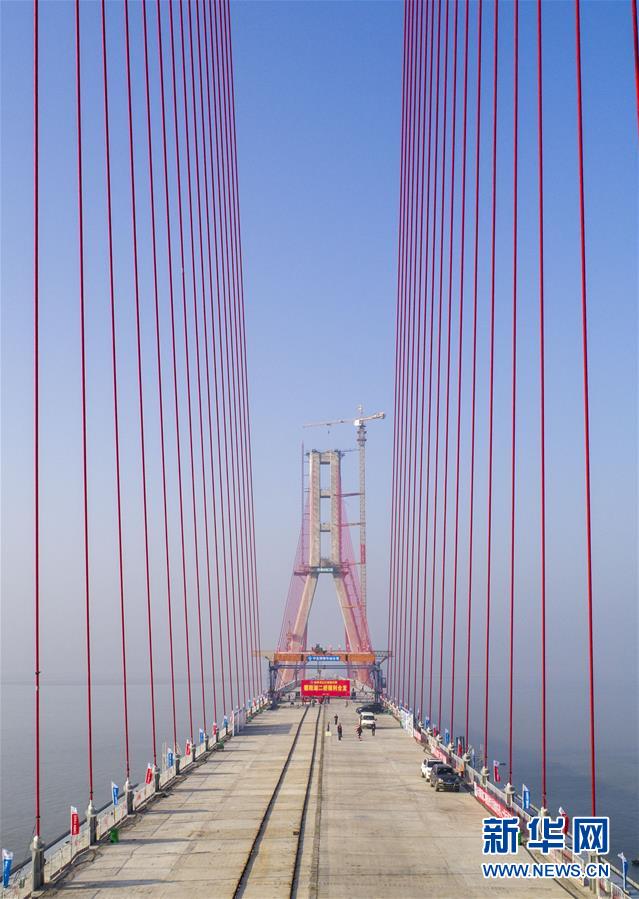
[
  {"x": 443, "y": 777},
  {"x": 375, "y": 707},
  {"x": 437, "y": 764}
]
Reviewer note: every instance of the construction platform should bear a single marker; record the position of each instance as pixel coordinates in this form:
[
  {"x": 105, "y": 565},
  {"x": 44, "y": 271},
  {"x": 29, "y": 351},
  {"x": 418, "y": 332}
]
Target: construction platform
[{"x": 286, "y": 810}]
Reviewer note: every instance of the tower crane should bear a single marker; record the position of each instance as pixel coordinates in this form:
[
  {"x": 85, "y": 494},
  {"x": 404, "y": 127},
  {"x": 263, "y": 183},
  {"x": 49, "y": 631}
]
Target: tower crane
[{"x": 360, "y": 424}]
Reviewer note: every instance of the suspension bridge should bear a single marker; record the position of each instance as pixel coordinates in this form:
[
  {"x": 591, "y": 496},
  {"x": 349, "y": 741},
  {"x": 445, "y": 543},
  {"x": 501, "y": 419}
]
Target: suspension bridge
[{"x": 249, "y": 788}]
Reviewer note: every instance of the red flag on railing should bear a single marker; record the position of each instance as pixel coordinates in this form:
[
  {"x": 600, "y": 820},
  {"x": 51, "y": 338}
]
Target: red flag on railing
[
  {"x": 496, "y": 774},
  {"x": 188, "y": 748},
  {"x": 75, "y": 822},
  {"x": 566, "y": 826},
  {"x": 149, "y": 774}
]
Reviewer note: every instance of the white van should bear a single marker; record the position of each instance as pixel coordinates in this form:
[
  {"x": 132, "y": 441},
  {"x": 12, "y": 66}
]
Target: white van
[
  {"x": 427, "y": 767},
  {"x": 367, "y": 719}
]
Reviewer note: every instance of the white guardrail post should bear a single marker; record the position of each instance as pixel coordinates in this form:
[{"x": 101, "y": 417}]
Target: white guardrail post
[
  {"x": 37, "y": 864},
  {"x": 128, "y": 792},
  {"x": 92, "y": 824},
  {"x": 510, "y": 792}
]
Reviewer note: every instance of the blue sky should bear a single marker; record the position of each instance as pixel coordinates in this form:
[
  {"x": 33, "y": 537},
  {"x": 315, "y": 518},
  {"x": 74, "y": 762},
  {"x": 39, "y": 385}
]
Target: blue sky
[
  {"x": 318, "y": 101},
  {"x": 319, "y": 165}
]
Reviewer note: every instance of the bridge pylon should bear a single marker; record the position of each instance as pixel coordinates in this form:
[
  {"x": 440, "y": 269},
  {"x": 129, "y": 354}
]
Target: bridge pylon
[{"x": 332, "y": 555}]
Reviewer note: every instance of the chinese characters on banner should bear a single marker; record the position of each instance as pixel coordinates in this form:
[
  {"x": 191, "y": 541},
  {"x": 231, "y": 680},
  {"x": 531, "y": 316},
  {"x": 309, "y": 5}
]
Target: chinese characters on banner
[{"x": 315, "y": 688}]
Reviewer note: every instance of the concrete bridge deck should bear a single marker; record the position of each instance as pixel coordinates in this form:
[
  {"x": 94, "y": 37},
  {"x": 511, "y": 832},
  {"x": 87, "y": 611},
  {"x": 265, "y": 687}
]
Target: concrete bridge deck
[{"x": 371, "y": 826}]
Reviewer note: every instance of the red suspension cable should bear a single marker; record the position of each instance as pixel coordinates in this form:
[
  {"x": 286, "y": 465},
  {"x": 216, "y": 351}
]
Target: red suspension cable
[
  {"x": 440, "y": 324},
  {"x": 245, "y": 427},
  {"x": 221, "y": 289},
  {"x": 240, "y": 437},
  {"x": 474, "y": 371},
  {"x": 176, "y": 404},
  {"x": 410, "y": 380},
  {"x": 430, "y": 354},
  {"x": 402, "y": 378},
  {"x": 208, "y": 368},
  {"x": 492, "y": 383},
  {"x": 413, "y": 380},
  {"x": 85, "y": 478},
  {"x": 462, "y": 256},
  {"x": 116, "y": 415},
  {"x": 448, "y": 352},
  {"x": 635, "y": 45},
  {"x": 421, "y": 338},
  {"x": 36, "y": 400},
  {"x": 430, "y": 367},
  {"x": 230, "y": 358},
  {"x": 237, "y": 456},
  {"x": 234, "y": 380},
  {"x": 158, "y": 355},
  {"x": 407, "y": 255},
  {"x": 207, "y": 38},
  {"x": 188, "y": 356},
  {"x": 198, "y": 192},
  {"x": 415, "y": 700},
  {"x": 584, "y": 337},
  {"x": 139, "y": 373},
  {"x": 424, "y": 269},
  {"x": 391, "y": 591},
  {"x": 224, "y": 306},
  {"x": 542, "y": 408},
  {"x": 514, "y": 388}
]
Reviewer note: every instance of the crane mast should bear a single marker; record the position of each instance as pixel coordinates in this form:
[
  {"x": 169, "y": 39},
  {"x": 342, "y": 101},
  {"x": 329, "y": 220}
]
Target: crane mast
[{"x": 361, "y": 442}]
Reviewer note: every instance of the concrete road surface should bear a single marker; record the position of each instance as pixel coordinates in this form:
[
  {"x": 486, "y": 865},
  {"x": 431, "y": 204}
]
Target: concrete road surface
[{"x": 372, "y": 826}]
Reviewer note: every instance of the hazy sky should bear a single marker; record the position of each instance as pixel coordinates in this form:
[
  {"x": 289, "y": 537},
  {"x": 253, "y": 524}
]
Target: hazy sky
[
  {"x": 318, "y": 104},
  {"x": 318, "y": 94}
]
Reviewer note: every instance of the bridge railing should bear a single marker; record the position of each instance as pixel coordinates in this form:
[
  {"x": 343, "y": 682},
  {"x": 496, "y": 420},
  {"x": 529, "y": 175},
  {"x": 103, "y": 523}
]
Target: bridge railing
[
  {"x": 167, "y": 775},
  {"x": 499, "y": 802},
  {"x": 62, "y": 852}
]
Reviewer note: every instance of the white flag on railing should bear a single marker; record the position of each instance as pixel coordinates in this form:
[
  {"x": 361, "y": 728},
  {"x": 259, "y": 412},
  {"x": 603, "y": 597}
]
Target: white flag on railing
[{"x": 624, "y": 870}]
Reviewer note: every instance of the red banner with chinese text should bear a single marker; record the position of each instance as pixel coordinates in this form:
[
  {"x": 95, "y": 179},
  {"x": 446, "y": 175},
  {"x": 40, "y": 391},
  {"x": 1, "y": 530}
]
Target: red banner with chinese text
[{"x": 314, "y": 688}]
